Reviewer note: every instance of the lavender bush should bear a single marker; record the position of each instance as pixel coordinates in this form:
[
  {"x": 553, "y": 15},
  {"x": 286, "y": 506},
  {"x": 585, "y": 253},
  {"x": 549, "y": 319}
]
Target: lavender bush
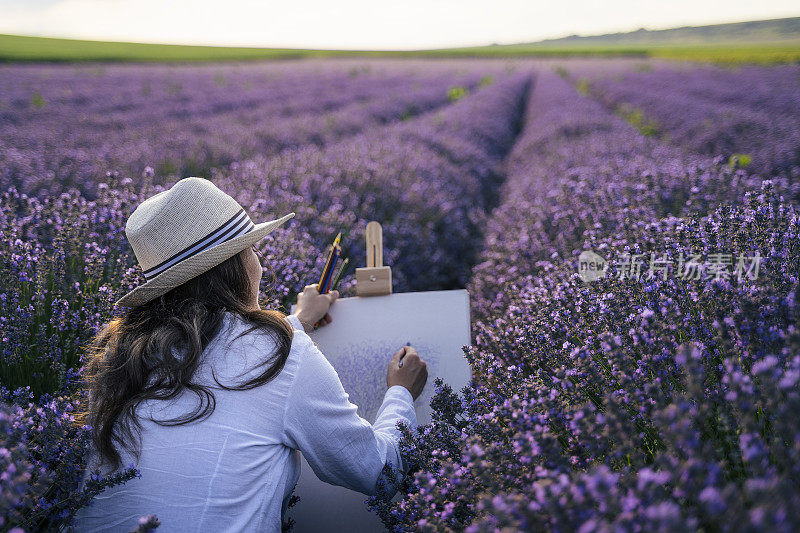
[
  {"x": 42, "y": 460},
  {"x": 660, "y": 402}
]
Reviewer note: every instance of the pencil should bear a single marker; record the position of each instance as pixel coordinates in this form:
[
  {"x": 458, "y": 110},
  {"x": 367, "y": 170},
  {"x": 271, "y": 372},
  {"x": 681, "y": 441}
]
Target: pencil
[
  {"x": 329, "y": 261},
  {"x": 341, "y": 271},
  {"x": 400, "y": 364},
  {"x": 326, "y": 283}
]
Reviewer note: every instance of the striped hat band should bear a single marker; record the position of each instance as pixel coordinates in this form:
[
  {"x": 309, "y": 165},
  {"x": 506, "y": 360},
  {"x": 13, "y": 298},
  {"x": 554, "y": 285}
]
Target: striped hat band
[{"x": 237, "y": 225}]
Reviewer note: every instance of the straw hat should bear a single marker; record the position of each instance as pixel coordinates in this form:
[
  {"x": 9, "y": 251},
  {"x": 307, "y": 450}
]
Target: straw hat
[{"x": 182, "y": 232}]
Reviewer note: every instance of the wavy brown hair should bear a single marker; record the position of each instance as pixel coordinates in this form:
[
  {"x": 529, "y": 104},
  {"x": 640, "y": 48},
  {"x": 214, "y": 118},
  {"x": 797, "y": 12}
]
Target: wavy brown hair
[{"x": 138, "y": 346}]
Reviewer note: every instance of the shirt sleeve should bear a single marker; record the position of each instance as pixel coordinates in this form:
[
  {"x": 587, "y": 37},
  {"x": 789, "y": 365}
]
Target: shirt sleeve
[
  {"x": 295, "y": 322},
  {"x": 341, "y": 447}
]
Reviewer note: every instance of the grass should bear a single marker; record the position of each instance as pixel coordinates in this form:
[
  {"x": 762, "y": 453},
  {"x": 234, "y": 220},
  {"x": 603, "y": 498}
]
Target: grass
[
  {"x": 734, "y": 53},
  {"x": 23, "y": 48},
  {"x": 44, "y": 49},
  {"x": 634, "y": 116}
]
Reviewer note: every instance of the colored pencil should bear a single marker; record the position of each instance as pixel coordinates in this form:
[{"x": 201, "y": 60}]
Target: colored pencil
[
  {"x": 329, "y": 262},
  {"x": 339, "y": 274},
  {"x": 326, "y": 283}
]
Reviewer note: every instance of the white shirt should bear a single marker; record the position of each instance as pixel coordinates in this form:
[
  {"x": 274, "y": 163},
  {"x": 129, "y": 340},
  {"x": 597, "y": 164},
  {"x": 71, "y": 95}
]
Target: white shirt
[{"x": 235, "y": 470}]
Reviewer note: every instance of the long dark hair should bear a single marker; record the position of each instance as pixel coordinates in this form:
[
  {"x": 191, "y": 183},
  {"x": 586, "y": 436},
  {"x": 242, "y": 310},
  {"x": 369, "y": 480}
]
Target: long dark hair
[{"x": 132, "y": 348}]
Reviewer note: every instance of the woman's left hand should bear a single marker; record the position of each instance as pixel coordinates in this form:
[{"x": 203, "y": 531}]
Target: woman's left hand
[{"x": 312, "y": 307}]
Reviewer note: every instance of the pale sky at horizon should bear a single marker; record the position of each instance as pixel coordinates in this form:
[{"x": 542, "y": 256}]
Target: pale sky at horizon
[{"x": 371, "y": 24}]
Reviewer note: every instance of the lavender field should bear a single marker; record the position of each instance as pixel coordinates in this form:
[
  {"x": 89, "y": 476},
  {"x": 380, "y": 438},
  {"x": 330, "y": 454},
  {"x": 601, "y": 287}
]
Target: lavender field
[{"x": 661, "y": 395}]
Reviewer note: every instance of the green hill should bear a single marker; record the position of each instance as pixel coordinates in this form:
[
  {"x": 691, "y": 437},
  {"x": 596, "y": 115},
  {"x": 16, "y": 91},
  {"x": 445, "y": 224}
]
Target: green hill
[
  {"x": 761, "y": 41},
  {"x": 759, "y": 31}
]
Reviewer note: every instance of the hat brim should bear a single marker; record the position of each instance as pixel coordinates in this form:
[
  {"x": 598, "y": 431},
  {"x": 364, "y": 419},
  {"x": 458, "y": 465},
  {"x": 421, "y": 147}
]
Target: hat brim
[{"x": 195, "y": 265}]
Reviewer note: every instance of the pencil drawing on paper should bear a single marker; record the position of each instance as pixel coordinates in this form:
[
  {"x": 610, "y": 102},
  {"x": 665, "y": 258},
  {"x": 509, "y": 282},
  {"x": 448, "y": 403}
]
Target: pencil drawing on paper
[{"x": 362, "y": 369}]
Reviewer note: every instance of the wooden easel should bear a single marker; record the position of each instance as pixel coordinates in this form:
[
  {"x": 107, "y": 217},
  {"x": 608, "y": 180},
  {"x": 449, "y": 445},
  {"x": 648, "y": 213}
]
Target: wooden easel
[{"x": 374, "y": 279}]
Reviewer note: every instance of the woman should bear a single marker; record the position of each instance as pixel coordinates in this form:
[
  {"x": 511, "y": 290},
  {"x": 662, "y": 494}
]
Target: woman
[{"x": 213, "y": 398}]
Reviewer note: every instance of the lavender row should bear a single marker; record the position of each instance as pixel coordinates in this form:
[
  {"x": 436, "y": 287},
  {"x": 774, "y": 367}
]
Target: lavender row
[
  {"x": 430, "y": 182},
  {"x": 60, "y": 127},
  {"x": 752, "y": 111},
  {"x": 648, "y": 402},
  {"x": 577, "y": 168}
]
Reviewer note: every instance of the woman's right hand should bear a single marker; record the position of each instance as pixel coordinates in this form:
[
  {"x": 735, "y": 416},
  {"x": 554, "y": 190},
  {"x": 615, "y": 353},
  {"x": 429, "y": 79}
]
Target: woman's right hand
[
  {"x": 412, "y": 374},
  {"x": 312, "y": 307}
]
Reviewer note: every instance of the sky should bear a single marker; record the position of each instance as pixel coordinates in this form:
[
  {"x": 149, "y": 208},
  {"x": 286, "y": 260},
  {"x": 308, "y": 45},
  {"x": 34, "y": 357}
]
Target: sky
[{"x": 366, "y": 24}]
